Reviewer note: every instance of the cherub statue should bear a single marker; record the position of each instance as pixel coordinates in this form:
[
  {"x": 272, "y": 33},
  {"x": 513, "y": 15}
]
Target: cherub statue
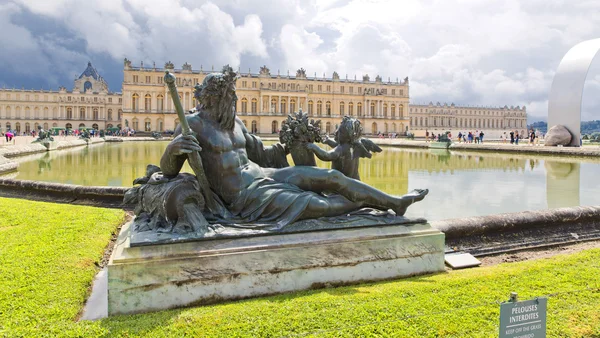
[{"x": 348, "y": 148}]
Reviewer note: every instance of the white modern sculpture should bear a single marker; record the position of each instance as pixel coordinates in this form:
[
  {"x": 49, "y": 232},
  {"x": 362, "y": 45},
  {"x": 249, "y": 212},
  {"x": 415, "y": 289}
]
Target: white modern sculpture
[{"x": 564, "y": 103}]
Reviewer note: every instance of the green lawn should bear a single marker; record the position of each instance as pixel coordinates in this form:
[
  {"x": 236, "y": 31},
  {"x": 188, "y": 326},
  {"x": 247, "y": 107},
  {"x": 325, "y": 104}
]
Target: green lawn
[{"x": 48, "y": 251}]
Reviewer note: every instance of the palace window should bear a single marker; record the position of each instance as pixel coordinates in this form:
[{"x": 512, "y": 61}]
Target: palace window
[
  {"x": 385, "y": 108},
  {"x": 148, "y": 102},
  {"x": 69, "y": 113},
  {"x": 253, "y": 84},
  {"x": 244, "y": 84},
  {"x": 342, "y": 89},
  {"x": 95, "y": 113},
  {"x": 310, "y": 108},
  {"x": 351, "y": 90},
  {"x": 393, "y": 91},
  {"x": 282, "y": 106},
  {"x": 328, "y": 108},
  {"x": 319, "y": 88},
  {"x": 401, "y": 92},
  {"x": 359, "y": 109},
  {"x": 254, "y": 106},
  {"x": 319, "y": 108},
  {"x": 135, "y": 102},
  {"x": 135, "y": 78},
  {"x": 109, "y": 115},
  {"x": 342, "y": 108},
  {"x": 328, "y": 89},
  {"x": 82, "y": 113},
  {"x": 160, "y": 102},
  {"x": 148, "y": 79},
  {"x": 254, "y": 127},
  {"x": 244, "y": 105},
  {"x": 147, "y": 125},
  {"x": 292, "y": 105},
  {"x": 401, "y": 111},
  {"x": 372, "y": 108},
  {"x": 393, "y": 111},
  {"x": 351, "y": 109}
]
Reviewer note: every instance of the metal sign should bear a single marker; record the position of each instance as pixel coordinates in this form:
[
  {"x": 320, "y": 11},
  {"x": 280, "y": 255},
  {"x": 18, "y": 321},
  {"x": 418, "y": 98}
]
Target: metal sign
[{"x": 523, "y": 319}]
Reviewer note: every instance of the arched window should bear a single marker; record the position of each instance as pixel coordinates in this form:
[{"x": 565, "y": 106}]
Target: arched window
[
  {"x": 7, "y": 126},
  {"x": 45, "y": 125},
  {"x": 109, "y": 115},
  {"x": 159, "y": 125},
  {"x": 69, "y": 126},
  {"x": 254, "y": 106},
  {"x": 82, "y": 113},
  {"x": 359, "y": 109},
  {"x": 135, "y": 124},
  {"x": 244, "y": 105},
  {"x": 35, "y": 126},
  {"x": 27, "y": 113},
  {"x": 109, "y": 125},
  {"x": 95, "y": 126},
  {"x": 401, "y": 111},
  {"x": 18, "y": 127},
  {"x": 372, "y": 112},
  {"x": 385, "y": 112},
  {"x": 147, "y": 125},
  {"x": 95, "y": 113},
  {"x": 421, "y": 122},
  {"x": 135, "y": 102},
  {"x": 54, "y": 124},
  {"x": 18, "y": 112},
  {"x": 46, "y": 112},
  {"x": 282, "y": 106},
  {"x": 319, "y": 108},
  {"x": 328, "y": 108},
  {"x": 254, "y": 127},
  {"x": 273, "y": 105},
  {"x": 160, "y": 102},
  {"x": 310, "y": 108},
  {"x": 274, "y": 129},
  {"x": 351, "y": 109},
  {"x": 292, "y": 105},
  {"x": 36, "y": 113},
  {"x": 374, "y": 128},
  {"x": 385, "y": 127},
  {"x": 69, "y": 113},
  {"x": 87, "y": 86},
  {"x": 342, "y": 108},
  {"x": 393, "y": 111},
  {"x": 147, "y": 102},
  {"x": 393, "y": 127},
  {"x": 81, "y": 125}
]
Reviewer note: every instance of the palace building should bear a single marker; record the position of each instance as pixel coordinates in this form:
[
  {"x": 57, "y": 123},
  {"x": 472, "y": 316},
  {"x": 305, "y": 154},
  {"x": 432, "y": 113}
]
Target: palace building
[
  {"x": 264, "y": 101},
  {"x": 89, "y": 105},
  {"x": 493, "y": 121}
]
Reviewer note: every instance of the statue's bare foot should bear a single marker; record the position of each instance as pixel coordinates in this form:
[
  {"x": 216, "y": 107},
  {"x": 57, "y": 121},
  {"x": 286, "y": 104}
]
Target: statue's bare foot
[{"x": 408, "y": 199}]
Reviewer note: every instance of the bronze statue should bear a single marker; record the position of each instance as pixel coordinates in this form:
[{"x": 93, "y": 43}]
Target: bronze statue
[
  {"x": 245, "y": 184},
  {"x": 348, "y": 148}
]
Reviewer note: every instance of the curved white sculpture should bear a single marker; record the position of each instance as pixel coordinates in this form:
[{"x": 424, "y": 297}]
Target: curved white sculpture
[{"x": 564, "y": 103}]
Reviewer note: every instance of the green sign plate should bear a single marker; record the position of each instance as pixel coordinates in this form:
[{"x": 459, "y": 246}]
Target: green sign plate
[{"x": 523, "y": 319}]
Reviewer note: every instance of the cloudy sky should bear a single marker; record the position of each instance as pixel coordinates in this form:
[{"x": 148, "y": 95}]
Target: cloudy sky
[{"x": 476, "y": 52}]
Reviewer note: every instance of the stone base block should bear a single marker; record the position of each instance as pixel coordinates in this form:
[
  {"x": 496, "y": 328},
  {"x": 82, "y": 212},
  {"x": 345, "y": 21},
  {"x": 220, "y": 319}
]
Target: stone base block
[{"x": 157, "y": 277}]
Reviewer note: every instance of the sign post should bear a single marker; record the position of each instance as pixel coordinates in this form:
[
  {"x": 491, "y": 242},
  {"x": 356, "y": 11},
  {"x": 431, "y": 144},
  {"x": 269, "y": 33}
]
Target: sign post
[{"x": 525, "y": 319}]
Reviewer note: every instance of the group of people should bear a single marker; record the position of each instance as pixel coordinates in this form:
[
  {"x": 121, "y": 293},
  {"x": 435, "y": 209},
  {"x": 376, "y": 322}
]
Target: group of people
[{"x": 471, "y": 137}]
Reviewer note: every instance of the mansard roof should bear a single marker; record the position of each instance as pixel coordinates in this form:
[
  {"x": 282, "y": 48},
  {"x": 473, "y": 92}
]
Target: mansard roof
[{"x": 90, "y": 71}]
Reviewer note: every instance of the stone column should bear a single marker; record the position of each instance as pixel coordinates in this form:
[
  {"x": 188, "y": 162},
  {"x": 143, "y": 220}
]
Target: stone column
[{"x": 269, "y": 104}]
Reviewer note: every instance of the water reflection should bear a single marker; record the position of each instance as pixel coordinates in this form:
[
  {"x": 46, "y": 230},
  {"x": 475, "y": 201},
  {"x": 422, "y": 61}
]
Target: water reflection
[{"x": 461, "y": 184}]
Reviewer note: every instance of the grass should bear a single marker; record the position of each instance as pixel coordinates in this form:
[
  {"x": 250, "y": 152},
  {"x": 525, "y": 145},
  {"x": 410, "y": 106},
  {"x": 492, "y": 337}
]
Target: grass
[{"x": 48, "y": 251}]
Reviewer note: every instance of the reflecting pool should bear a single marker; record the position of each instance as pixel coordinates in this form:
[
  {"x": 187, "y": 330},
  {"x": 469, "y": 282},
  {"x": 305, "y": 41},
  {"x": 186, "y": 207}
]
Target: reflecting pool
[{"x": 461, "y": 184}]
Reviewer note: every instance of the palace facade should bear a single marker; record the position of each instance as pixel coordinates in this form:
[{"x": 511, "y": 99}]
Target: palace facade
[
  {"x": 493, "y": 121},
  {"x": 89, "y": 105},
  {"x": 265, "y": 99}
]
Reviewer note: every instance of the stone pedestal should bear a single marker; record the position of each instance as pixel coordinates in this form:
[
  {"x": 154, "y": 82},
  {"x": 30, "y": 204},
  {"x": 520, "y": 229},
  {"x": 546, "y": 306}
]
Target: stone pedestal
[{"x": 157, "y": 277}]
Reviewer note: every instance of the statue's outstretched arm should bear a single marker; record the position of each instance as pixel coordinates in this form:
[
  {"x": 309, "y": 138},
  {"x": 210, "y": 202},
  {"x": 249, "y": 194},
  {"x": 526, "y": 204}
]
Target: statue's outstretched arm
[
  {"x": 171, "y": 163},
  {"x": 330, "y": 142},
  {"x": 325, "y": 155}
]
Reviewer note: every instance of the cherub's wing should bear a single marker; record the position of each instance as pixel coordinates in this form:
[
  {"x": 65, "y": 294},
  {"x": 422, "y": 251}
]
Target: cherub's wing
[
  {"x": 370, "y": 146},
  {"x": 359, "y": 150}
]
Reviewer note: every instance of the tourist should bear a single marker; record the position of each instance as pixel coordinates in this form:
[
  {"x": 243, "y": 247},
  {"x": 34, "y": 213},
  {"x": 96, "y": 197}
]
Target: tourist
[
  {"x": 512, "y": 137},
  {"x": 532, "y": 137},
  {"x": 460, "y": 135},
  {"x": 517, "y": 137},
  {"x": 481, "y": 136},
  {"x": 470, "y": 137},
  {"x": 464, "y": 137},
  {"x": 426, "y": 136}
]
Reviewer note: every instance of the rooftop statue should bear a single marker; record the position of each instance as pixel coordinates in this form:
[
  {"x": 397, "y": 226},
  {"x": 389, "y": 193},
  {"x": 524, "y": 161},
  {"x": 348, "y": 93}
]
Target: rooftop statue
[{"x": 241, "y": 185}]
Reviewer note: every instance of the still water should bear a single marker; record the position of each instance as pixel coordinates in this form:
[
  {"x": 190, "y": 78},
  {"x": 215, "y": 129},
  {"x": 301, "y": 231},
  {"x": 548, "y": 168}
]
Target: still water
[{"x": 461, "y": 184}]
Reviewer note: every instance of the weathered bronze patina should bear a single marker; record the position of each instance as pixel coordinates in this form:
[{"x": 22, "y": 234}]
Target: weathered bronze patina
[{"x": 249, "y": 186}]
